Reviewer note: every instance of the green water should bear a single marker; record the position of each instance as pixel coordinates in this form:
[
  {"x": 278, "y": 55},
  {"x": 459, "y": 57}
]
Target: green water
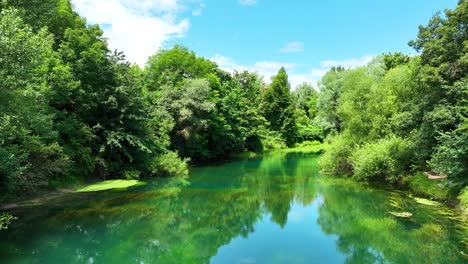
[{"x": 275, "y": 209}]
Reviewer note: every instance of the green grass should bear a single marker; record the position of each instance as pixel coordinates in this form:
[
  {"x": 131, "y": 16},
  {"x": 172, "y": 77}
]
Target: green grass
[
  {"x": 463, "y": 199},
  {"x": 305, "y": 147},
  {"x": 312, "y": 149},
  {"x": 110, "y": 184},
  {"x": 441, "y": 189},
  {"x": 420, "y": 184}
]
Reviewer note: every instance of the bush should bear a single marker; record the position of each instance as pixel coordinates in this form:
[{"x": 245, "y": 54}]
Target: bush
[
  {"x": 421, "y": 185},
  {"x": 308, "y": 143},
  {"x": 309, "y": 132},
  {"x": 336, "y": 157},
  {"x": 463, "y": 198},
  {"x": 451, "y": 155},
  {"x": 386, "y": 159},
  {"x": 169, "y": 164},
  {"x": 131, "y": 174},
  {"x": 272, "y": 140}
]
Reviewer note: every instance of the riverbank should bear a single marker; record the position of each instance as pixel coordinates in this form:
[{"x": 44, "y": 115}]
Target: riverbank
[
  {"x": 64, "y": 188},
  {"x": 418, "y": 185},
  {"x": 279, "y": 203}
]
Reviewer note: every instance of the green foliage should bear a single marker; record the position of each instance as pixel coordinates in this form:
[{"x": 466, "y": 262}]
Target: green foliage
[
  {"x": 386, "y": 159},
  {"x": 309, "y": 132},
  {"x": 168, "y": 164},
  {"x": 272, "y": 140},
  {"x": 29, "y": 150},
  {"x": 305, "y": 98},
  {"x": 337, "y": 153},
  {"x": 328, "y": 99},
  {"x": 392, "y": 60},
  {"x": 463, "y": 198},
  {"x": 400, "y": 114},
  {"x": 451, "y": 155},
  {"x": 171, "y": 67},
  {"x": 278, "y": 106},
  {"x": 70, "y": 108},
  {"x": 190, "y": 108},
  {"x": 421, "y": 185},
  {"x": 5, "y": 220}
]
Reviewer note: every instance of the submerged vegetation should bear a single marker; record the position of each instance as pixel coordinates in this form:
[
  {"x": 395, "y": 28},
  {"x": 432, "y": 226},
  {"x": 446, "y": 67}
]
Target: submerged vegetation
[{"x": 235, "y": 209}]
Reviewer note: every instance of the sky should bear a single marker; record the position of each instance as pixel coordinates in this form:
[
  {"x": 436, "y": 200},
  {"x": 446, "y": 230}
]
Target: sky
[{"x": 307, "y": 37}]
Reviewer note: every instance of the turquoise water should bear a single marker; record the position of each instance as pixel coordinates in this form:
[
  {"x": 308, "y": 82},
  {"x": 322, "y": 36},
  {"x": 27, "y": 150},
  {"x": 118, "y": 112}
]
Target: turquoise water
[{"x": 275, "y": 209}]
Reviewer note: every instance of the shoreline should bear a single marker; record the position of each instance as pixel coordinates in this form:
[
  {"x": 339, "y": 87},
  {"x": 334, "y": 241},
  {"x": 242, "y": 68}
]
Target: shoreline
[{"x": 402, "y": 185}]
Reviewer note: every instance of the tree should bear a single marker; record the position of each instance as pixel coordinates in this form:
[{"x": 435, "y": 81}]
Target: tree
[
  {"x": 278, "y": 107},
  {"x": 305, "y": 98},
  {"x": 330, "y": 88},
  {"x": 29, "y": 152},
  {"x": 174, "y": 66},
  {"x": 190, "y": 108}
]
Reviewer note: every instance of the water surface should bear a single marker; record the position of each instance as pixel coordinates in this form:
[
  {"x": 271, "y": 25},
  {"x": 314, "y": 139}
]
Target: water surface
[{"x": 275, "y": 209}]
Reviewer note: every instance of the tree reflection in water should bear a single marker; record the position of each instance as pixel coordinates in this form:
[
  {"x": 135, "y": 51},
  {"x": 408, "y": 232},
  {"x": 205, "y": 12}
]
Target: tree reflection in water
[{"x": 164, "y": 222}]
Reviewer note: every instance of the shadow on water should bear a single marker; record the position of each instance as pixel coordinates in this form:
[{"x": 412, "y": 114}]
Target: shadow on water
[{"x": 273, "y": 209}]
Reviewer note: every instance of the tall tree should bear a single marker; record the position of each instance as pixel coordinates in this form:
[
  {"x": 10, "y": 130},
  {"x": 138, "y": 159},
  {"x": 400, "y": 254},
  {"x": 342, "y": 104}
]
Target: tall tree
[
  {"x": 278, "y": 108},
  {"x": 30, "y": 155}
]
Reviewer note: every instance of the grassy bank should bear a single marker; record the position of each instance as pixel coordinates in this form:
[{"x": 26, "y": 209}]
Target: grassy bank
[
  {"x": 442, "y": 190},
  {"x": 311, "y": 147}
]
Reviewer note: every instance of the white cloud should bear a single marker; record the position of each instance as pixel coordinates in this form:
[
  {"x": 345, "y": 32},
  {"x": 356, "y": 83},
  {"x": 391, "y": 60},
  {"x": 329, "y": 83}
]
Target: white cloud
[
  {"x": 264, "y": 68},
  {"x": 247, "y": 2},
  {"x": 199, "y": 10},
  {"x": 316, "y": 74},
  {"x": 349, "y": 63},
  {"x": 139, "y": 28},
  {"x": 292, "y": 47},
  {"x": 269, "y": 68}
]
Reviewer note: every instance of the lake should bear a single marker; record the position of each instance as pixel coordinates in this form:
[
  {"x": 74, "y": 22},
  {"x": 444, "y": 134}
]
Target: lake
[{"x": 273, "y": 209}]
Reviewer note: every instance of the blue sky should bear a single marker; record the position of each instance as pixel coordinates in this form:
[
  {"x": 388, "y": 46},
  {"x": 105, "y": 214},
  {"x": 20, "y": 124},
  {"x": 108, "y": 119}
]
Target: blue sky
[{"x": 307, "y": 37}]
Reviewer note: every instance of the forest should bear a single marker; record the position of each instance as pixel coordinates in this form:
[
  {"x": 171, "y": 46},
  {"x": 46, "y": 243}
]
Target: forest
[{"x": 72, "y": 110}]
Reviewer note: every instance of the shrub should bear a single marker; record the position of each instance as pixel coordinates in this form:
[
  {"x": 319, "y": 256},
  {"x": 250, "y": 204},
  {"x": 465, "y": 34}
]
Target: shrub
[
  {"x": 336, "y": 157},
  {"x": 463, "y": 198},
  {"x": 131, "y": 174},
  {"x": 308, "y": 143},
  {"x": 385, "y": 158},
  {"x": 421, "y": 185},
  {"x": 272, "y": 140},
  {"x": 451, "y": 156},
  {"x": 169, "y": 164},
  {"x": 309, "y": 132}
]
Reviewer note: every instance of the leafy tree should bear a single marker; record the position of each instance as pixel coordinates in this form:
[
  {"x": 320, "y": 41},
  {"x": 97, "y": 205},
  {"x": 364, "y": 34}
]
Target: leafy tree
[
  {"x": 29, "y": 151},
  {"x": 305, "y": 98},
  {"x": 328, "y": 99},
  {"x": 173, "y": 66},
  {"x": 278, "y": 107},
  {"x": 56, "y": 15},
  {"x": 392, "y": 60},
  {"x": 190, "y": 109}
]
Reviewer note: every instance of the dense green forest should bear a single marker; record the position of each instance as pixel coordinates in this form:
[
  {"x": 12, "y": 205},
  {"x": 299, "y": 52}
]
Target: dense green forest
[
  {"x": 400, "y": 116},
  {"x": 73, "y": 110}
]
